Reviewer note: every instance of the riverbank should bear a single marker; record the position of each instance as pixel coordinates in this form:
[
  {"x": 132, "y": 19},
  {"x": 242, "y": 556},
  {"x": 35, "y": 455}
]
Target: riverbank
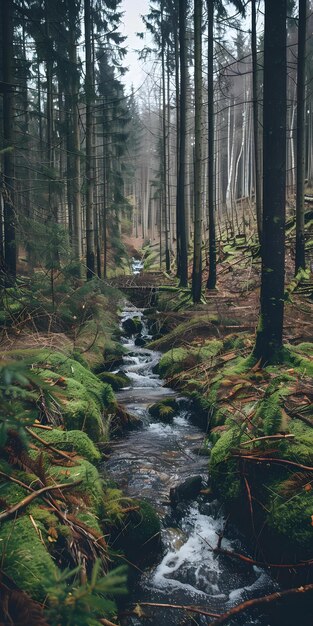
[
  {"x": 59, "y": 514},
  {"x": 259, "y": 432}
]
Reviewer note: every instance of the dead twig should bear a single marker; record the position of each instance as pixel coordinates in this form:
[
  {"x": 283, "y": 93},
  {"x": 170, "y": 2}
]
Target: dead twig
[
  {"x": 48, "y": 445},
  {"x": 249, "y": 561},
  {"x": 246, "y": 443},
  {"x": 35, "y": 494},
  {"x": 181, "y": 607},
  {"x": 260, "y": 459}
]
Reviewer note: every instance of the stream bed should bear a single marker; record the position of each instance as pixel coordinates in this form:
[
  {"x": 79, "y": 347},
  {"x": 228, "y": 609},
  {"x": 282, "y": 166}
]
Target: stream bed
[{"x": 146, "y": 463}]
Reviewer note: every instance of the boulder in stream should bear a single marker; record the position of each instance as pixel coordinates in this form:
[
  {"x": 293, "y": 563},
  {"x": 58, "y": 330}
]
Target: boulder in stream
[
  {"x": 164, "y": 410},
  {"x": 132, "y": 326},
  {"x": 188, "y": 490}
]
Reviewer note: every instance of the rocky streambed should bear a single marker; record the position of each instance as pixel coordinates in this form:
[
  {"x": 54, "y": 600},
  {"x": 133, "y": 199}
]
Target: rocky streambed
[{"x": 150, "y": 461}]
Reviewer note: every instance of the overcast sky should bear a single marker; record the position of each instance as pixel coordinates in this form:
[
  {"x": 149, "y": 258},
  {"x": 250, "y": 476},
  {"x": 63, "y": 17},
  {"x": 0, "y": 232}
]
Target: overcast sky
[{"x": 133, "y": 24}]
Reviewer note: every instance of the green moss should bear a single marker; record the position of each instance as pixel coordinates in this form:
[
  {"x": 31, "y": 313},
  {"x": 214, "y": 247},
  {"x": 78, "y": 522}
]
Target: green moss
[
  {"x": 180, "y": 333},
  {"x": 24, "y": 558},
  {"x": 140, "y": 536},
  {"x": 178, "y": 359},
  {"x": 80, "y": 411},
  {"x": 164, "y": 410},
  {"x": 132, "y": 326},
  {"x": 223, "y": 470},
  {"x": 91, "y": 484},
  {"x": 73, "y": 440},
  {"x": 238, "y": 342},
  {"x": 292, "y": 519},
  {"x": 117, "y": 381},
  {"x": 305, "y": 348},
  {"x": 270, "y": 414},
  {"x": 113, "y": 505}
]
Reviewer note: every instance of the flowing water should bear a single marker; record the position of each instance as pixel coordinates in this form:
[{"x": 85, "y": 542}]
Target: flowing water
[{"x": 146, "y": 463}]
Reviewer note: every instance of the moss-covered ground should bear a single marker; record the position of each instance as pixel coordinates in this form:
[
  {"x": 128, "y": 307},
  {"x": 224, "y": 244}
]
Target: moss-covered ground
[{"x": 55, "y": 410}]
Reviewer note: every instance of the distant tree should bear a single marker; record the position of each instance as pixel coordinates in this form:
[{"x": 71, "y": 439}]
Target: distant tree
[{"x": 270, "y": 327}]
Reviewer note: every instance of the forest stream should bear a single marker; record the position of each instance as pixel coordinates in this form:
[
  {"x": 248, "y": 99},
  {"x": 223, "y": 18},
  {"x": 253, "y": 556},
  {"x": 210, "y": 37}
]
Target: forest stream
[{"x": 146, "y": 463}]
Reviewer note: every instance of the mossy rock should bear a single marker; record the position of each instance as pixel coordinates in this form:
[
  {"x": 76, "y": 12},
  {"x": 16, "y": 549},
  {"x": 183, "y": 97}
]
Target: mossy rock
[
  {"x": 185, "y": 330},
  {"x": 164, "y": 410},
  {"x": 139, "y": 537},
  {"x": 292, "y": 520},
  {"x": 24, "y": 558},
  {"x": 223, "y": 470},
  {"x": 91, "y": 486},
  {"x": 117, "y": 381},
  {"x": 73, "y": 440},
  {"x": 179, "y": 359},
  {"x": 132, "y": 326}
]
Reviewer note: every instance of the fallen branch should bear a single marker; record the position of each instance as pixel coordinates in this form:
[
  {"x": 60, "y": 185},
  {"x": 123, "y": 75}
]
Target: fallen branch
[
  {"x": 48, "y": 445},
  {"x": 95, "y": 540},
  {"x": 246, "y": 443},
  {"x": 250, "y": 604},
  {"x": 181, "y": 607},
  {"x": 35, "y": 494},
  {"x": 260, "y": 459},
  {"x": 249, "y": 561}
]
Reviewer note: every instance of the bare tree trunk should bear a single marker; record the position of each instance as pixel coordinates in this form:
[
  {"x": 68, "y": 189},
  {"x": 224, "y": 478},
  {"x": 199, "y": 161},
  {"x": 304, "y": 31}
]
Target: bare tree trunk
[
  {"x": 197, "y": 254},
  {"x": 8, "y": 162},
  {"x": 300, "y": 240},
  {"x": 211, "y": 282},
  {"x": 90, "y": 226},
  {"x": 257, "y": 161},
  {"x": 165, "y": 165},
  {"x": 270, "y": 328},
  {"x": 182, "y": 255}
]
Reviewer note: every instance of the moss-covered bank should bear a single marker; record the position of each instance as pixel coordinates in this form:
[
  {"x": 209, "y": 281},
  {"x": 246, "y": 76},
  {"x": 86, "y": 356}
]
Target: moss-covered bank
[
  {"x": 260, "y": 429},
  {"x": 54, "y": 412}
]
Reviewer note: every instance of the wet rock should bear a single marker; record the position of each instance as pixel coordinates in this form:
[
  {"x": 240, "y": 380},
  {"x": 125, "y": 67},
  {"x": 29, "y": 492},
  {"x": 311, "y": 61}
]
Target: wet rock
[
  {"x": 140, "y": 341},
  {"x": 132, "y": 326},
  {"x": 174, "y": 538},
  {"x": 164, "y": 410},
  {"x": 188, "y": 490}
]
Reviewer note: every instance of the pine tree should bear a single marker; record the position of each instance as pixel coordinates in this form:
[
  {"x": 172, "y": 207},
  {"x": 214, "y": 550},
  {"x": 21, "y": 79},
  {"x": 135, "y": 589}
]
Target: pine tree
[{"x": 270, "y": 328}]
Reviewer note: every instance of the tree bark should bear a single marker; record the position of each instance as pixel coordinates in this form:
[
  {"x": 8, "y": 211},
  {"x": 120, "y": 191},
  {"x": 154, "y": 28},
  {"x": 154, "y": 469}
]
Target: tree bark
[
  {"x": 300, "y": 240},
  {"x": 8, "y": 143},
  {"x": 164, "y": 151},
  {"x": 211, "y": 282},
  {"x": 182, "y": 253},
  {"x": 90, "y": 226},
  {"x": 197, "y": 254},
  {"x": 257, "y": 164},
  {"x": 270, "y": 328}
]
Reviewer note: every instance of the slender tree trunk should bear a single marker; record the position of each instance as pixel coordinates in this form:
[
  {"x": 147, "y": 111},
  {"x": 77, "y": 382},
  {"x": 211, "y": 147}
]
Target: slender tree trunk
[
  {"x": 197, "y": 255},
  {"x": 53, "y": 207},
  {"x": 182, "y": 254},
  {"x": 8, "y": 137},
  {"x": 211, "y": 283},
  {"x": 257, "y": 164},
  {"x": 75, "y": 156},
  {"x": 270, "y": 328},
  {"x": 90, "y": 225},
  {"x": 165, "y": 164},
  {"x": 300, "y": 240}
]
